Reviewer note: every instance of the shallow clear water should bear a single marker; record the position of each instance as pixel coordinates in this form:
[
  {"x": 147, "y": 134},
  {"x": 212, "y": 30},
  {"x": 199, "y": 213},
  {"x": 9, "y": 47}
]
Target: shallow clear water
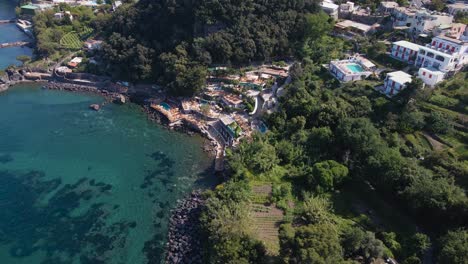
[
  {"x": 10, "y": 33},
  {"x": 79, "y": 186}
]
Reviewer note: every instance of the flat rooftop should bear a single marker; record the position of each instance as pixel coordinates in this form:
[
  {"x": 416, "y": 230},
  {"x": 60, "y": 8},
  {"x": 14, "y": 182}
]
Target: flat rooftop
[
  {"x": 354, "y": 24},
  {"x": 407, "y": 44},
  {"x": 400, "y": 77}
]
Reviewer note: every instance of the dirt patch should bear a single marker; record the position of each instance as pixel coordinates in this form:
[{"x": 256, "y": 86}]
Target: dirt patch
[{"x": 436, "y": 145}]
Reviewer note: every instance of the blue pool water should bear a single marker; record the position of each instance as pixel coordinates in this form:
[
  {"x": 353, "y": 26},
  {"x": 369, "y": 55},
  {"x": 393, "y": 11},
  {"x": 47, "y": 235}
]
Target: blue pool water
[
  {"x": 165, "y": 106},
  {"x": 263, "y": 128},
  {"x": 355, "y": 67}
]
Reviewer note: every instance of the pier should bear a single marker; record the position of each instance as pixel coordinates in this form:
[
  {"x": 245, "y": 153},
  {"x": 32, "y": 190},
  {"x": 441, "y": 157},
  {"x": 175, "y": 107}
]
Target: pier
[
  {"x": 15, "y": 44},
  {"x": 7, "y": 21}
]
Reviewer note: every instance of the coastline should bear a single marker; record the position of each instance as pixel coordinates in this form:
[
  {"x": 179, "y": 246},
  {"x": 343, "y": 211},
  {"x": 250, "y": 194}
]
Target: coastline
[
  {"x": 113, "y": 95},
  {"x": 182, "y": 238}
]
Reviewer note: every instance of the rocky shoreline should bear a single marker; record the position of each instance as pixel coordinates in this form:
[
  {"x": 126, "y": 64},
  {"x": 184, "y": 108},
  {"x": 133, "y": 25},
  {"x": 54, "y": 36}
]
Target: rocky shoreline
[
  {"x": 109, "y": 96},
  {"x": 184, "y": 245},
  {"x": 13, "y": 77}
]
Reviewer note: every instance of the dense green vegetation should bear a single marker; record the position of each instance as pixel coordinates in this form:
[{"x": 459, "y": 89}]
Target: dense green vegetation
[
  {"x": 370, "y": 177},
  {"x": 57, "y": 37},
  {"x": 335, "y": 144},
  {"x": 172, "y": 42}
]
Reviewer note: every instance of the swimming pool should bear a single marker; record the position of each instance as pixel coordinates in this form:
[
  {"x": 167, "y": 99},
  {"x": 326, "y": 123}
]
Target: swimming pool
[
  {"x": 263, "y": 128},
  {"x": 165, "y": 106},
  {"x": 355, "y": 67}
]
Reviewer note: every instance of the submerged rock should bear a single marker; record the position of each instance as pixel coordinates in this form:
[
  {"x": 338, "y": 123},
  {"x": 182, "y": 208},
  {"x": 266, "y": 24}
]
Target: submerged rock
[{"x": 95, "y": 107}]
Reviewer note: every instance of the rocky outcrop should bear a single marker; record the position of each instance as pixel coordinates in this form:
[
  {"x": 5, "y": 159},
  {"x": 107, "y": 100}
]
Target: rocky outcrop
[
  {"x": 184, "y": 239},
  {"x": 95, "y": 107},
  {"x": 120, "y": 99}
]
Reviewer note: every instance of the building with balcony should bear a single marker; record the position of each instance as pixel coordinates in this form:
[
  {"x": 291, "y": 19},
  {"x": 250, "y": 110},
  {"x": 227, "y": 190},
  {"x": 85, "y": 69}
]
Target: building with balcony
[
  {"x": 444, "y": 54},
  {"x": 405, "y": 51},
  {"x": 395, "y": 82}
]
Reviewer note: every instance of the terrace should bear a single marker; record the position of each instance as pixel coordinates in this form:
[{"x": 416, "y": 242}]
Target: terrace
[
  {"x": 201, "y": 107},
  {"x": 352, "y": 69}
]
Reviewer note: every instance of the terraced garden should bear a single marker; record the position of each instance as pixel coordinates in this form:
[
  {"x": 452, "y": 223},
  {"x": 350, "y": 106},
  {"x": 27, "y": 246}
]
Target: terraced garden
[
  {"x": 266, "y": 218},
  {"x": 74, "y": 40}
]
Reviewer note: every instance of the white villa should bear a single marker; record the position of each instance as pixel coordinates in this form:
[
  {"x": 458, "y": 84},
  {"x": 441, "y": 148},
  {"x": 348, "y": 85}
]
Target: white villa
[
  {"x": 330, "y": 8},
  {"x": 395, "y": 82},
  {"x": 352, "y": 69}
]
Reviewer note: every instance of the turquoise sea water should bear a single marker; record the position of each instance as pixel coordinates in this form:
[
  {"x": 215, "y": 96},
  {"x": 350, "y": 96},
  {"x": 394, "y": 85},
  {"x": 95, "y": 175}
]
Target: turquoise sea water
[
  {"x": 10, "y": 33},
  {"x": 79, "y": 186}
]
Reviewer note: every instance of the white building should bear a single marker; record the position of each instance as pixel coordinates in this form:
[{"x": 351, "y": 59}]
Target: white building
[
  {"x": 330, "y": 8},
  {"x": 396, "y": 82},
  {"x": 353, "y": 69},
  {"x": 61, "y": 15},
  {"x": 116, "y": 5},
  {"x": 346, "y": 9},
  {"x": 93, "y": 44},
  {"x": 424, "y": 21},
  {"x": 444, "y": 54},
  {"x": 352, "y": 27},
  {"x": 405, "y": 51},
  {"x": 403, "y": 16},
  {"x": 388, "y": 7},
  {"x": 454, "y": 30},
  {"x": 457, "y": 7},
  {"x": 430, "y": 76}
]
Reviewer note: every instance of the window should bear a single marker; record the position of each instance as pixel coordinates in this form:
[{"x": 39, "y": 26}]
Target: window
[
  {"x": 440, "y": 45},
  {"x": 433, "y": 43},
  {"x": 424, "y": 73},
  {"x": 430, "y": 76},
  {"x": 430, "y": 55},
  {"x": 453, "y": 49},
  {"x": 440, "y": 58}
]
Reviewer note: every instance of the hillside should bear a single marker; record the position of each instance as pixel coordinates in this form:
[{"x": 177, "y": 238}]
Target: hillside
[{"x": 173, "y": 41}]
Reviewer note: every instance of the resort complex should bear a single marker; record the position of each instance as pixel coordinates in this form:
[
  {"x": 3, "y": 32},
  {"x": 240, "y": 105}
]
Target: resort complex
[{"x": 218, "y": 131}]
